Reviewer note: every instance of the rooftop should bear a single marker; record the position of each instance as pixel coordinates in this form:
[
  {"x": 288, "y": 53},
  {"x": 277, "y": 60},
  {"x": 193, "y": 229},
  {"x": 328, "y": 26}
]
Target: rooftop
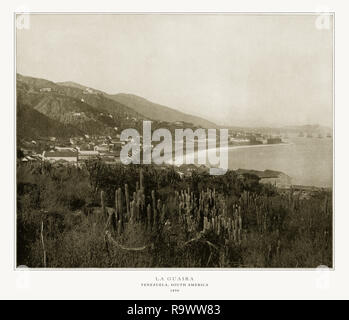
[{"x": 60, "y": 154}]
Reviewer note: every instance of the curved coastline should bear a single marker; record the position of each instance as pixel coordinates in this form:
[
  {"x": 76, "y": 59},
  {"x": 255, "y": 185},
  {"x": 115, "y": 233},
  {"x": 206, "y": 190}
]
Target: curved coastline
[{"x": 196, "y": 152}]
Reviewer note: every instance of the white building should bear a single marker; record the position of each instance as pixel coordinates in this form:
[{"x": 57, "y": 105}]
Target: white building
[
  {"x": 67, "y": 155},
  {"x": 88, "y": 155},
  {"x": 45, "y": 89}
]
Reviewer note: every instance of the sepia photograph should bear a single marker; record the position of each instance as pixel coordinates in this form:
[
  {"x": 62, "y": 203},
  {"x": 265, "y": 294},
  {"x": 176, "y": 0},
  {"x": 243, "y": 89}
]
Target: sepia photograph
[{"x": 174, "y": 140}]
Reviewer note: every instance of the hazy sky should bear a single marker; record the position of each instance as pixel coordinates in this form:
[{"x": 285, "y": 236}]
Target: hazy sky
[{"x": 232, "y": 69}]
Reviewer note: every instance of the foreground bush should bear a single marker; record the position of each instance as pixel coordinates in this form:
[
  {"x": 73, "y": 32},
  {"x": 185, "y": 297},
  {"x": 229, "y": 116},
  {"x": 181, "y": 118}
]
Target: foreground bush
[{"x": 117, "y": 216}]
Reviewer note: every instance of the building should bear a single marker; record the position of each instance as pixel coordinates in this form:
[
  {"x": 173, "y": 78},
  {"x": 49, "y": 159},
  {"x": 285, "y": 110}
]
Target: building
[
  {"x": 110, "y": 156},
  {"x": 117, "y": 145},
  {"x": 26, "y": 151},
  {"x": 60, "y": 149},
  {"x": 28, "y": 158},
  {"x": 102, "y": 148},
  {"x": 66, "y": 155},
  {"x": 88, "y": 155},
  {"x": 45, "y": 89},
  {"x": 274, "y": 140},
  {"x": 88, "y": 91}
]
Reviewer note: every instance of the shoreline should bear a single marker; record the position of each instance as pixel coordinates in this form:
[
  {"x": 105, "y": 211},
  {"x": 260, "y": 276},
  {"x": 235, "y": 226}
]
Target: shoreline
[
  {"x": 228, "y": 148},
  {"x": 259, "y": 145},
  {"x": 246, "y": 147}
]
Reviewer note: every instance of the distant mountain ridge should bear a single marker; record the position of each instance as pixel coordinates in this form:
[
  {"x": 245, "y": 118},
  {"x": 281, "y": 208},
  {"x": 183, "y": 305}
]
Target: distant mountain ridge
[
  {"x": 148, "y": 108},
  {"x": 48, "y": 108},
  {"x": 89, "y": 112},
  {"x": 159, "y": 112},
  {"x": 72, "y": 84},
  {"x": 68, "y": 108},
  {"x": 309, "y": 128}
]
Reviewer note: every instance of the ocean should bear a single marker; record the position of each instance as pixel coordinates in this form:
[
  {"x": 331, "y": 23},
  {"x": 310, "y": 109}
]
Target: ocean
[{"x": 308, "y": 161}]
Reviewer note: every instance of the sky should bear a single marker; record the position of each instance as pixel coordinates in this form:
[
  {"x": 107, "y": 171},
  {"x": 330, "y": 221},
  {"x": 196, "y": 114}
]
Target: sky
[{"x": 232, "y": 69}]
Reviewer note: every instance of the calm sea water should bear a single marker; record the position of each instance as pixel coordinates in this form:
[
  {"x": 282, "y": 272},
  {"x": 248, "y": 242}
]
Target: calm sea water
[{"x": 308, "y": 161}]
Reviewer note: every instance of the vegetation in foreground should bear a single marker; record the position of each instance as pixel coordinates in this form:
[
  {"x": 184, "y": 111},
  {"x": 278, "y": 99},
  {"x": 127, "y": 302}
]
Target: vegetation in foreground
[{"x": 142, "y": 216}]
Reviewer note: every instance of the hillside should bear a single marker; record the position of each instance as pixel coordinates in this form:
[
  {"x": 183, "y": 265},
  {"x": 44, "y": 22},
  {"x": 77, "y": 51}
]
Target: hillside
[
  {"x": 159, "y": 112},
  {"x": 72, "y": 84},
  {"x": 33, "y": 124},
  {"x": 149, "y": 109},
  {"x": 94, "y": 98},
  {"x": 46, "y": 108},
  {"x": 87, "y": 111}
]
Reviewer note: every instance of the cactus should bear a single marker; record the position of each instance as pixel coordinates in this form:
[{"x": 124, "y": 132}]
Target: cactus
[
  {"x": 132, "y": 211},
  {"x": 205, "y": 212},
  {"x": 138, "y": 210},
  {"x": 120, "y": 207},
  {"x": 104, "y": 211},
  {"x": 159, "y": 210},
  {"x": 117, "y": 213},
  {"x": 127, "y": 199},
  {"x": 154, "y": 209},
  {"x": 141, "y": 178},
  {"x": 163, "y": 214},
  {"x": 149, "y": 217}
]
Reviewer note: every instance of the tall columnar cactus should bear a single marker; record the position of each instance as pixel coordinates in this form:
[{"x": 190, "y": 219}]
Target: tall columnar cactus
[
  {"x": 141, "y": 179},
  {"x": 132, "y": 211},
  {"x": 149, "y": 218},
  {"x": 206, "y": 212},
  {"x": 120, "y": 209},
  {"x": 159, "y": 206},
  {"x": 155, "y": 218},
  {"x": 163, "y": 214},
  {"x": 138, "y": 210},
  {"x": 104, "y": 211},
  {"x": 127, "y": 199},
  {"x": 117, "y": 213}
]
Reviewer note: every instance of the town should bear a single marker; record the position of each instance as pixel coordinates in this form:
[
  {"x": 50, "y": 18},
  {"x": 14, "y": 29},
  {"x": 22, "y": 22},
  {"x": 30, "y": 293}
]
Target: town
[{"x": 76, "y": 150}]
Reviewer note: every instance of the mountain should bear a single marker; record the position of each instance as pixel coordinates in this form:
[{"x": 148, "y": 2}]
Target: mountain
[
  {"x": 87, "y": 111},
  {"x": 73, "y": 85},
  {"x": 46, "y": 108},
  {"x": 309, "y": 129},
  {"x": 149, "y": 109},
  {"x": 159, "y": 112},
  {"x": 33, "y": 124}
]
